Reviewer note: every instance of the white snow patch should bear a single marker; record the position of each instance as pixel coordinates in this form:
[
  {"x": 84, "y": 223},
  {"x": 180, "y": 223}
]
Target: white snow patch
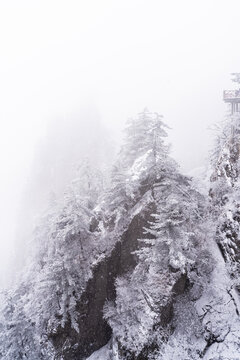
[
  {"x": 107, "y": 352},
  {"x": 138, "y": 168}
]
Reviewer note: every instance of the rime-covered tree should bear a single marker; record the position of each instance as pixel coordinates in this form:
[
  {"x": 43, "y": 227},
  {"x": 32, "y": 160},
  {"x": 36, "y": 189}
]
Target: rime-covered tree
[
  {"x": 149, "y": 196},
  {"x": 45, "y": 298},
  {"x": 173, "y": 243},
  {"x": 225, "y": 188},
  {"x": 138, "y": 164}
]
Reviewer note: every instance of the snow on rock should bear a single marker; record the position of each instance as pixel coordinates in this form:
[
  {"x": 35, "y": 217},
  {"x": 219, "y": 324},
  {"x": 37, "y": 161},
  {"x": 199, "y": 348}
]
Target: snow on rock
[
  {"x": 103, "y": 353},
  {"x": 107, "y": 352},
  {"x": 139, "y": 166},
  {"x": 219, "y": 310}
]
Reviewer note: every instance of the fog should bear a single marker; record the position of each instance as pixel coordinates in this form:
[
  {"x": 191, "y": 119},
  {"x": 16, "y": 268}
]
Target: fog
[{"x": 92, "y": 64}]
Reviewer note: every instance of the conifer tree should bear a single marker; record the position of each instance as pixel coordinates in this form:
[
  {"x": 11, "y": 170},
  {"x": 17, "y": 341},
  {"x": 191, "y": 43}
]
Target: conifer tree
[
  {"x": 45, "y": 299},
  {"x": 168, "y": 251},
  {"x": 139, "y": 162},
  {"x": 225, "y": 189}
]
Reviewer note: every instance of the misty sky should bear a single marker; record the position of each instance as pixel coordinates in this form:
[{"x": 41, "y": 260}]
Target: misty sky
[{"x": 174, "y": 57}]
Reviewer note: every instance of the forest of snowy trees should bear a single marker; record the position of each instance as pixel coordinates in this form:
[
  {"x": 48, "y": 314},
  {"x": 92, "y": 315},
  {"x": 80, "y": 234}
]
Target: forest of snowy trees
[{"x": 135, "y": 262}]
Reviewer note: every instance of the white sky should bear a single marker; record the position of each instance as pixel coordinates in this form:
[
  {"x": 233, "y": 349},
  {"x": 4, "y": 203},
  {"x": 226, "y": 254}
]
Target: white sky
[{"x": 172, "y": 56}]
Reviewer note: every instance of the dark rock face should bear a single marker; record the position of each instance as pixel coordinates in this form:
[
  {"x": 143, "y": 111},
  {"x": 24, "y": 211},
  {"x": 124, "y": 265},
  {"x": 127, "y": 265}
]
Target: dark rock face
[
  {"x": 94, "y": 332},
  {"x": 227, "y": 237},
  {"x": 167, "y": 312}
]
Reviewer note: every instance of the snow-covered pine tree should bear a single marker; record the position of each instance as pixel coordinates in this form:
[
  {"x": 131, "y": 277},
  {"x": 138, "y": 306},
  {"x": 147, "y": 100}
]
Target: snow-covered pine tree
[
  {"x": 44, "y": 300},
  {"x": 137, "y": 166},
  {"x": 225, "y": 188},
  {"x": 73, "y": 235},
  {"x": 84, "y": 236},
  {"x": 173, "y": 244},
  {"x": 144, "y": 145}
]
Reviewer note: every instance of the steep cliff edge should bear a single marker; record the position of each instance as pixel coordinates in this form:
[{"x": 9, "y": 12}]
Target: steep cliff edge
[{"x": 94, "y": 330}]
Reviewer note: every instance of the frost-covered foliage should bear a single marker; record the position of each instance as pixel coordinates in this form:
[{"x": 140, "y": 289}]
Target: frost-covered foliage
[
  {"x": 220, "y": 302},
  {"x": 73, "y": 236},
  {"x": 225, "y": 188},
  {"x": 170, "y": 250},
  {"x": 174, "y": 282},
  {"x": 166, "y": 263},
  {"x": 138, "y": 164},
  {"x": 224, "y": 157},
  {"x": 175, "y": 300},
  {"x": 46, "y": 294}
]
